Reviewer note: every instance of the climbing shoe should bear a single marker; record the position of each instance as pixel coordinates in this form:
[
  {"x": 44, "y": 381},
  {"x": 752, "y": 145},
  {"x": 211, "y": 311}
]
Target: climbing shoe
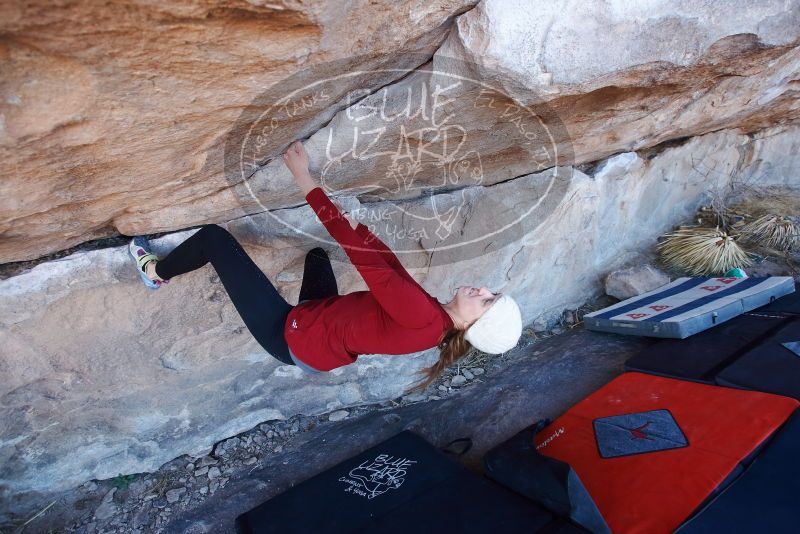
[{"x": 139, "y": 250}]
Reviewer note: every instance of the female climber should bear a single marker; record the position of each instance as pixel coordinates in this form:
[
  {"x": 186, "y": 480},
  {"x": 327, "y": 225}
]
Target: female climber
[{"x": 326, "y": 330}]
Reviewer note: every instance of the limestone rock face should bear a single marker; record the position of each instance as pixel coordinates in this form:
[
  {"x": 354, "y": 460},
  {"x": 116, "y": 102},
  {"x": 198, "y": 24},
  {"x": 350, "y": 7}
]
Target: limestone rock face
[
  {"x": 130, "y": 131},
  {"x": 103, "y": 376},
  {"x": 113, "y": 109},
  {"x": 477, "y": 131},
  {"x": 563, "y": 46},
  {"x": 624, "y": 75}
]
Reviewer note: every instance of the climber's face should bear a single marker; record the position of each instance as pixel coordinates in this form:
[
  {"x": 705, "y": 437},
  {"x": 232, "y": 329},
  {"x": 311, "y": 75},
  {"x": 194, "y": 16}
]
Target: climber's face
[{"x": 471, "y": 302}]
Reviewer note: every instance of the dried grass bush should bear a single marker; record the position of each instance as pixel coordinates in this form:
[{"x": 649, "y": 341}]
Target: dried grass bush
[
  {"x": 777, "y": 232},
  {"x": 702, "y": 251},
  {"x": 723, "y": 192}
]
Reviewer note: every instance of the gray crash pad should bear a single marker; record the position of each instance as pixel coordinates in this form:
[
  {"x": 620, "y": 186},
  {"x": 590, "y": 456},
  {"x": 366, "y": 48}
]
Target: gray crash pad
[{"x": 688, "y": 305}]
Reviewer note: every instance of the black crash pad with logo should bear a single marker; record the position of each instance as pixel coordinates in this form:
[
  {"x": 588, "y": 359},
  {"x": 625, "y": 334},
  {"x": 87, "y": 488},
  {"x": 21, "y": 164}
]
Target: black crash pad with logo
[{"x": 403, "y": 484}]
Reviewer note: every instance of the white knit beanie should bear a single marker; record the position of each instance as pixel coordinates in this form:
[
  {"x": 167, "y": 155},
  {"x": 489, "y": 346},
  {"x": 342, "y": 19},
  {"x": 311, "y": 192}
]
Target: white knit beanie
[{"x": 498, "y": 329}]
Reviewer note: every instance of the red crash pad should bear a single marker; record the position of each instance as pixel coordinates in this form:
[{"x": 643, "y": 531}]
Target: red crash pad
[{"x": 678, "y": 440}]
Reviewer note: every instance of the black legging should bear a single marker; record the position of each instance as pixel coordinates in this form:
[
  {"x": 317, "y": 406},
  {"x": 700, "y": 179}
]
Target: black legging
[{"x": 261, "y": 307}]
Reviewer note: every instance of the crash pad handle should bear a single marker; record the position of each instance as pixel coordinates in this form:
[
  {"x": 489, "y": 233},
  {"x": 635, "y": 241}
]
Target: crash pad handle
[
  {"x": 450, "y": 449},
  {"x": 540, "y": 425}
]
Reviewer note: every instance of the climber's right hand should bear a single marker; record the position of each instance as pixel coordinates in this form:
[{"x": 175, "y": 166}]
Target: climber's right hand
[{"x": 296, "y": 160}]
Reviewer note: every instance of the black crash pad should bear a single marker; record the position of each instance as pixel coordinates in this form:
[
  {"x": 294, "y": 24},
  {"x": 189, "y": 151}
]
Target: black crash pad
[
  {"x": 403, "y": 484},
  {"x": 770, "y": 366},
  {"x": 516, "y": 464},
  {"x": 700, "y": 357},
  {"x": 787, "y": 304},
  {"x": 766, "y": 498}
]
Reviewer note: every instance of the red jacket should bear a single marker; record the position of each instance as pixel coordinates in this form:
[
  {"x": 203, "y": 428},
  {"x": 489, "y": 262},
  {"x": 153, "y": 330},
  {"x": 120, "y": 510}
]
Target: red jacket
[{"x": 396, "y": 315}]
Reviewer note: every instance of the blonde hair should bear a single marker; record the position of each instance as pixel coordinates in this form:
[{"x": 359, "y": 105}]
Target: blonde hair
[{"x": 452, "y": 347}]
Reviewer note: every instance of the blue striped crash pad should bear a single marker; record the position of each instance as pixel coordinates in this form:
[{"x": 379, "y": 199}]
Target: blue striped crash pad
[{"x": 688, "y": 305}]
